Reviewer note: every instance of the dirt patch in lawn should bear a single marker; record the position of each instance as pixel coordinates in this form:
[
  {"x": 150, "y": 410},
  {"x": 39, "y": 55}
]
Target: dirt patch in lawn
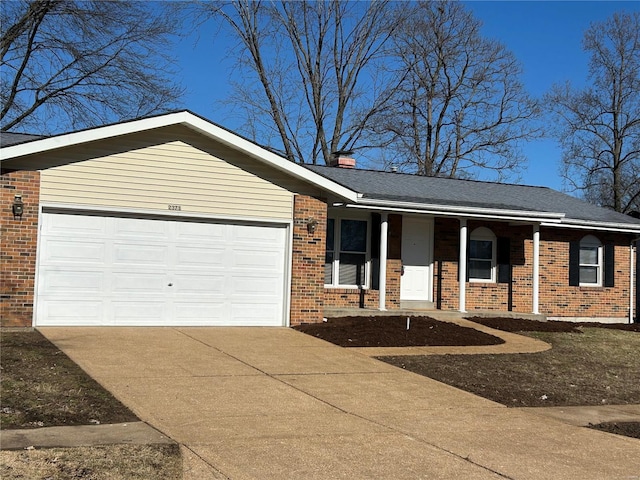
[
  {"x": 42, "y": 387},
  {"x": 392, "y": 331}
]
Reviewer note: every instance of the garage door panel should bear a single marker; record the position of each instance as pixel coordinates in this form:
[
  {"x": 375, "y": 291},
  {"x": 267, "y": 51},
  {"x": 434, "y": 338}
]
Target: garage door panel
[
  {"x": 72, "y": 311},
  {"x": 255, "y": 314},
  {"x": 76, "y": 225},
  {"x": 63, "y": 252},
  {"x": 211, "y": 284},
  {"x": 129, "y": 254},
  {"x": 252, "y": 285},
  {"x": 138, "y": 312},
  {"x": 198, "y": 233},
  {"x": 252, "y": 260},
  {"x": 72, "y": 282},
  {"x": 159, "y": 272},
  {"x": 255, "y": 235},
  {"x": 214, "y": 313},
  {"x": 201, "y": 257},
  {"x": 137, "y": 283},
  {"x": 141, "y": 229}
]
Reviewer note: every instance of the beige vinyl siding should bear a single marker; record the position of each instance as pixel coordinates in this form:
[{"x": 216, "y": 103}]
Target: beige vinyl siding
[{"x": 170, "y": 166}]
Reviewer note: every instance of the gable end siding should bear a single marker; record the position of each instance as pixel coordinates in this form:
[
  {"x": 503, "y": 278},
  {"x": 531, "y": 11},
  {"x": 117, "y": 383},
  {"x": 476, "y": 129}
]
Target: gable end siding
[{"x": 172, "y": 166}]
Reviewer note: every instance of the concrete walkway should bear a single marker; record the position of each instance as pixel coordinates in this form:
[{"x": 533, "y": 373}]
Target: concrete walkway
[{"x": 272, "y": 403}]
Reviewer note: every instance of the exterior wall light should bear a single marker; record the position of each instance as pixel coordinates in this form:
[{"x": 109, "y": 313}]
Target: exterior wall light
[
  {"x": 18, "y": 206},
  {"x": 312, "y": 224}
]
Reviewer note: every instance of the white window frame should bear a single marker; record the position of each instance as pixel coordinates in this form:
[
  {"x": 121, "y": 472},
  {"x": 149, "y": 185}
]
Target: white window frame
[
  {"x": 484, "y": 234},
  {"x": 590, "y": 242},
  {"x": 335, "y": 272}
]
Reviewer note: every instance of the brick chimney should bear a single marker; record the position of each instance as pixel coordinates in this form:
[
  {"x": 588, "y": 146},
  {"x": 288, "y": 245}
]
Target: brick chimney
[{"x": 342, "y": 159}]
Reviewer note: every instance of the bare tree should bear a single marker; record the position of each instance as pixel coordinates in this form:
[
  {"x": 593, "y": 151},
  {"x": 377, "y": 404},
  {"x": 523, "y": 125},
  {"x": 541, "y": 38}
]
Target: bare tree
[
  {"x": 71, "y": 64},
  {"x": 599, "y": 125},
  {"x": 308, "y": 77},
  {"x": 461, "y": 107}
]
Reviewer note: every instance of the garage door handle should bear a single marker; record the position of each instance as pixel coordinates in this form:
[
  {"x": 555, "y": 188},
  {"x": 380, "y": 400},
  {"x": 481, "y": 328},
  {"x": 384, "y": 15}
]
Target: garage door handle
[{"x": 171, "y": 284}]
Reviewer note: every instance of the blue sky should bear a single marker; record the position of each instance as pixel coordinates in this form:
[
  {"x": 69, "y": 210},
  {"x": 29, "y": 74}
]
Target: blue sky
[{"x": 546, "y": 36}]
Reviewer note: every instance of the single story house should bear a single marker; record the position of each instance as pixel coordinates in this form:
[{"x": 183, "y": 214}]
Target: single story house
[{"x": 173, "y": 220}]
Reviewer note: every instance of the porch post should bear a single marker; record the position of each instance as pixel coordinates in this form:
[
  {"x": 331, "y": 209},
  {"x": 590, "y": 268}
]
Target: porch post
[
  {"x": 462, "y": 264},
  {"x": 536, "y": 268},
  {"x": 382, "y": 282}
]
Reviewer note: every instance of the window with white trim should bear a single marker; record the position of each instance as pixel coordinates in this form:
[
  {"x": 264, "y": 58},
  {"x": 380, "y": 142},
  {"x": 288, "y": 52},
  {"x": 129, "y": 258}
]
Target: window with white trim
[
  {"x": 347, "y": 252},
  {"x": 482, "y": 255},
  {"x": 591, "y": 260}
]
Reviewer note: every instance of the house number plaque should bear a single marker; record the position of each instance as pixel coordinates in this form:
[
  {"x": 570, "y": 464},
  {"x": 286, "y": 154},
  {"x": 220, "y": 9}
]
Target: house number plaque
[{"x": 175, "y": 207}]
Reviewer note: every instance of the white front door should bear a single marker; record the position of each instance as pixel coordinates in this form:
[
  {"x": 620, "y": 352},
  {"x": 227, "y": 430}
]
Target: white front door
[{"x": 417, "y": 259}]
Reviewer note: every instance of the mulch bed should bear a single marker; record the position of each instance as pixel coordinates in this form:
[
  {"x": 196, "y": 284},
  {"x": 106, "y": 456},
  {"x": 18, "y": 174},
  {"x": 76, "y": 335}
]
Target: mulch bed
[
  {"x": 522, "y": 325},
  {"x": 392, "y": 332},
  {"x": 627, "y": 429}
]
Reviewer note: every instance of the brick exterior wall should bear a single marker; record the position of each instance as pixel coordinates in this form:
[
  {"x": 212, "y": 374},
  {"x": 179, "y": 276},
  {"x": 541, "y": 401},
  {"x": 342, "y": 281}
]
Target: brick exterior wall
[
  {"x": 18, "y": 245},
  {"x": 556, "y": 297},
  {"x": 308, "y": 254},
  {"x": 370, "y": 298}
]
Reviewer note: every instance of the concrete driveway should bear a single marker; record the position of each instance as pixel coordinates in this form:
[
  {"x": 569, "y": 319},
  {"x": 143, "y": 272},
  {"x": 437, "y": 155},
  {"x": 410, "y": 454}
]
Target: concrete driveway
[{"x": 272, "y": 403}]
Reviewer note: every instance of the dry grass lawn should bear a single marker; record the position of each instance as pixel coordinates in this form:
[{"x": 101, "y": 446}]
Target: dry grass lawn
[{"x": 113, "y": 462}]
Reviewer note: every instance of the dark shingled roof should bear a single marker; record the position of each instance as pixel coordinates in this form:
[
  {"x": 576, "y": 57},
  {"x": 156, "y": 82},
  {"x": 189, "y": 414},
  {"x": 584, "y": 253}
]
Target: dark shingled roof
[
  {"x": 401, "y": 187},
  {"x": 9, "y": 138}
]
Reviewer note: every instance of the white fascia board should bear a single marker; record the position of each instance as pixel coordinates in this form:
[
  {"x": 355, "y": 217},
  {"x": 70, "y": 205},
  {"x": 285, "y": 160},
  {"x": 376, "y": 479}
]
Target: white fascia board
[
  {"x": 193, "y": 122},
  {"x": 466, "y": 212},
  {"x": 90, "y": 135},
  {"x": 598, "y": 226}
]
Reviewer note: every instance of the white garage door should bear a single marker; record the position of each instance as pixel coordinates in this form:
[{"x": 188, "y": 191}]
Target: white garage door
[{"x": 98, "y": 270}]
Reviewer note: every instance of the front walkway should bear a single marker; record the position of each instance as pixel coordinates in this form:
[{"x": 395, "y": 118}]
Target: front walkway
[{"x": 273, "y": 403}]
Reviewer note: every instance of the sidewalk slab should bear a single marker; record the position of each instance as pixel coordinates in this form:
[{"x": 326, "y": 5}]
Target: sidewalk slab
[{"x": 393, "y": 456}]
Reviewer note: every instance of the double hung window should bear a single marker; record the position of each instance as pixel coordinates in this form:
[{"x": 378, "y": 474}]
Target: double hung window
[
  {"x": 590, "y": 262},
  {"x": 346, "y": 260},
  {"x": 482, "y": 255}
]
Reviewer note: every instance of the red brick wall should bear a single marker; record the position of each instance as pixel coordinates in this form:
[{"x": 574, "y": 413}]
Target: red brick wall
[
  {"x": 18, "y": 242},
  {"x": 556, "y": 297},
  {"x": 445, "y": 262},
  {"x": 356, "y": 298},
  {"x": 307, "y": 271}
]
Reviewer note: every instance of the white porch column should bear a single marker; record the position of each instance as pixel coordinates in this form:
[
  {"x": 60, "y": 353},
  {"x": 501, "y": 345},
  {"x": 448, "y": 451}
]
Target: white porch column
[
  {"x": 382, "y": 282},
  {"x": 536, "y": 269},
  {"x": 462, "y": 264}
]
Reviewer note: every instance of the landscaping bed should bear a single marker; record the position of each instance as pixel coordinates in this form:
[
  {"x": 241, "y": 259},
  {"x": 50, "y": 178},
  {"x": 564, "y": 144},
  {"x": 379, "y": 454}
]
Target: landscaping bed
[{"x": 392, "y": 331}]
